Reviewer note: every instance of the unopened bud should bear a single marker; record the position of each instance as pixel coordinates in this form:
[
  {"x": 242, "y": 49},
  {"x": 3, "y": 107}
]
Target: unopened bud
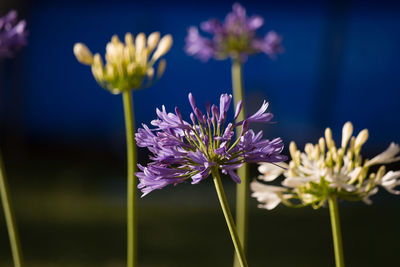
[
  {"x": 346, "y": 133},
  {"x": 128, "y": 39},
  {"x": 292, "y": 149},
  {"x": 140, "y": 43},
  {"x": 83, "y": 54},
  {"x": 328, "y": 138},
  {"x": 361, "y": 138},
  {"x": 163, "y": 47},
  {"x": 150, "y": 73},
  {"x": 321, "y": 143},
  {"x": 152, "y": 41},
  {"x": 161, "y": 68}
]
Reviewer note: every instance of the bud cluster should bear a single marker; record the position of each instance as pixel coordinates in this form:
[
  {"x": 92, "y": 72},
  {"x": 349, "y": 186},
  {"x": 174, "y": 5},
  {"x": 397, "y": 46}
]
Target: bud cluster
[{"x": 129, "y": 65}]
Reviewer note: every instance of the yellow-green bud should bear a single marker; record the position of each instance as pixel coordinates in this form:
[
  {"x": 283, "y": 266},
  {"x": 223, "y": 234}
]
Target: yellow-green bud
[
  {"x": 328, "y": 138},
  {"x": 161, "y": 68}
]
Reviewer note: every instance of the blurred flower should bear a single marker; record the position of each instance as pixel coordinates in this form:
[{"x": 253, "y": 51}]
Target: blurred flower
[
  {"x": 183, "y": 151},
  {"x": 235, "y": 37},
  {"x": 12, "y": 34},
  {"x": 128, "y": 66},
  {"x": 324, "y": 170}
]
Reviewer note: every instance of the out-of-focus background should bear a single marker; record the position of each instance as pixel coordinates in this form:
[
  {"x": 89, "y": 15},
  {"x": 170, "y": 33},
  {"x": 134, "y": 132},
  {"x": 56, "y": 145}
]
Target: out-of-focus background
[{"x": 63, "y": 143}]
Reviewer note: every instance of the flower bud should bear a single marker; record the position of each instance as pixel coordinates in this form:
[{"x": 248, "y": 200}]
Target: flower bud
[
  {"x": 346, "y": 133},
  {"x": 152, "y": 41},
  {"x": 328, "y": 138},
  {"x": 321, "y": 143},
  {"x": 292, "y": 149},
  {"x": 161, "y": 68},
  {"x": 140, "y": 44},
  {"x": 83, "y": 54},
  {"x": 163, "y": 47},
  {"x": 150, "y": 73},
  {"x": 128, "y": 39},
  {"x": 361, "y": 138}
]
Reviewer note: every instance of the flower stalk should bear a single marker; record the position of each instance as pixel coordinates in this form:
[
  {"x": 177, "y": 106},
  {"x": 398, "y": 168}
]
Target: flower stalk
[
  {"x": 10, "y": 218},
  {"x": 336, "y": 231},
  {"x": 228, "y": 217},
  {"x": 131, "y": 182},
  {"x": 242, "y": 189}
]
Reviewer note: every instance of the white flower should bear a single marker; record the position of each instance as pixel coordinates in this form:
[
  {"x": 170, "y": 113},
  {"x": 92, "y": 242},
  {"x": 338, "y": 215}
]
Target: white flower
[
  {"x": 387, "y": 156},
  {"x": 270, "y": 196},
  {"x": 271, "y": 171},
  {"x": 323, "y": 171},
  {"x": 390, "y": 180}
]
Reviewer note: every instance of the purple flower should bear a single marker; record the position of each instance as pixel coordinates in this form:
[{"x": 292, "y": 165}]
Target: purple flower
[
  {"x": 182, "y": 150},
  {"x": 12, "y": 34},
  {"x": 235, "y": 37}
]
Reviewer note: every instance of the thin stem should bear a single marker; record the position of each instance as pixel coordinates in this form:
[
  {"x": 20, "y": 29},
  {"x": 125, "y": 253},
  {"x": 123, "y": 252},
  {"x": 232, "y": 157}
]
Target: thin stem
[
  {"x": 242, "y": 189},
  {"x": 228, "y": 217},
  {"x": 131, "y": 190},
  {"x": 336, "y": 232},
  {"x": 10, "y": 218}
]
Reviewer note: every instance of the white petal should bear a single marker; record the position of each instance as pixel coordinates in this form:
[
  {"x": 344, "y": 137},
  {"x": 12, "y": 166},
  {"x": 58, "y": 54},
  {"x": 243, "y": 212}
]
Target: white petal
[
  {"x": 390, "y": 181},
  {"x": 271, "y": 171},
  {"x": 386, "y": 156},
  {"x": 268, "y": 195},
  {"x": 296, "y": 181}
]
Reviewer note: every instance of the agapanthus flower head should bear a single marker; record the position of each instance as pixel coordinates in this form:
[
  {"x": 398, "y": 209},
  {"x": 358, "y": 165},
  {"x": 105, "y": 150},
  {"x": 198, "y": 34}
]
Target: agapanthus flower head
[
  {"x": 187, "y": 151},
  {"x": 324, "y": 170},
  {"x": 13, "y": 34},
  {"x": 129, "y": 65},
  {"x": 235, "y": 37}
]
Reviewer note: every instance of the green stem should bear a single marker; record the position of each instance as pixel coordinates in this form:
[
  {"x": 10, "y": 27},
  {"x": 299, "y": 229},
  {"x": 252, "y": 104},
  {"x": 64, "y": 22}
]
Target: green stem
[
  {"x": 131, "y": 190},
  {"x": 242, "y": 189},
  {"x": 336, "y": 232},
  {"x": 10, "y": 218},
  {"x": 228, "y": 217}
]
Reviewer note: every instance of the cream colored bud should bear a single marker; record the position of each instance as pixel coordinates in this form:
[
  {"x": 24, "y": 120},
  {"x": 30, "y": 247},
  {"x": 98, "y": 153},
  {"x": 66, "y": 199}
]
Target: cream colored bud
[
  {"x": 152, "y": 41},
  {"x": 297, "y": 157},
  {"x": 308, "y": 148},
  {"x": 140, "y": 43},
  {"x": 346, "y": 133},
  {"x": 128, "y": 39},
  {"x": 292, "y": 149},
  {"x": 328, "y": 138},
  {"x": 161, "y": 68},
  {"x": 115, "y": 40},
  {"x": 131, "y": 68},
  {"x": 163, "y": 47},
  {"x": 109, "y": 72},
  {"x": 150, "y": 73},
  {"x": 114, "y": 51},
  {"x": 83, "y": 54},
  {"x": 316, "y": 152},
  {"x": 361, "y": 138},
  {"x": 97, "y": 60},
  {"x": 97, "y": 68},
  {"x": 321, "y": 143}
]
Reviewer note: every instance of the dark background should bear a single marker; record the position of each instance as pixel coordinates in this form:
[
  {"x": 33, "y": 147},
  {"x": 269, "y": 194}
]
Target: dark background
[{"x": 63, "y": 143}]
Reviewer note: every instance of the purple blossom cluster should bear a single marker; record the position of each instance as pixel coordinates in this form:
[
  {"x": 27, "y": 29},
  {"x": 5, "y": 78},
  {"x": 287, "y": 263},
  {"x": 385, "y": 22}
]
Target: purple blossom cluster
[
  {"x": 12, "y": 34},
  {"x": 235, "y": 37},
  {"x": 182, "y": 150}
]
